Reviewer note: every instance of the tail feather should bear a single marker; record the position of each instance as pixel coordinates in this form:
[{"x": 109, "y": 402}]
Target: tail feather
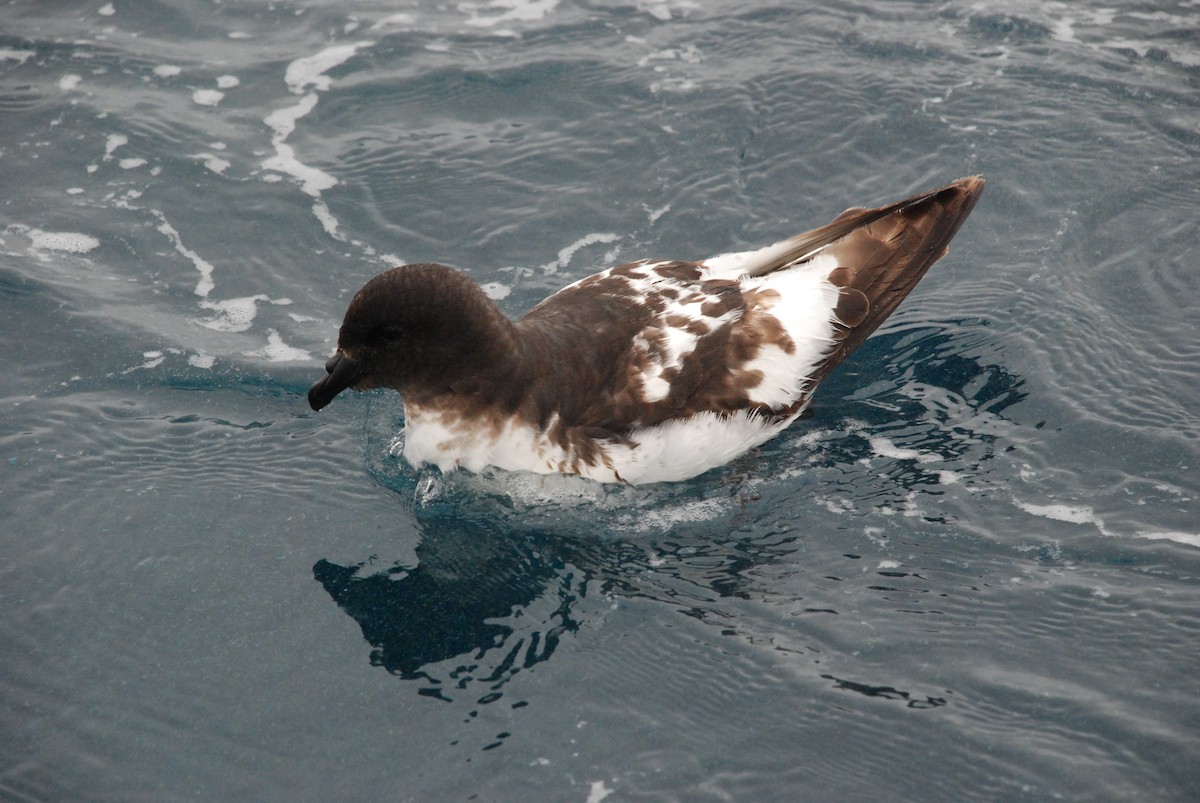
[{"x": 882, "y": 254}]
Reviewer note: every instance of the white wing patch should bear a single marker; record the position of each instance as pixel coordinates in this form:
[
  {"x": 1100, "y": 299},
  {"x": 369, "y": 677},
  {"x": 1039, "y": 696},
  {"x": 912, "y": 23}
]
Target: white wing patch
[
  {"x": 677, "y": 344},
  {"x": 664, "y": 344},
  {"x": 804, "y": 307}
]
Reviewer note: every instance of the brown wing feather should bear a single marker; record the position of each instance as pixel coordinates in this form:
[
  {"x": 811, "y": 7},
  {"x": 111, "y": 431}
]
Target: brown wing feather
[
  {"x": 855, "y": 218},
  {"x": 582, "y": 335},
  {"x": 883, "y": 256}
]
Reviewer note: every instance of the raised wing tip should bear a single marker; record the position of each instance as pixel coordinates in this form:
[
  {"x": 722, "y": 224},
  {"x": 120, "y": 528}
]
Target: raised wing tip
[
  {"x": 970, "y": 186},
  {"x": 960, "y": 196},
  {"x": 973, "y": 185}
]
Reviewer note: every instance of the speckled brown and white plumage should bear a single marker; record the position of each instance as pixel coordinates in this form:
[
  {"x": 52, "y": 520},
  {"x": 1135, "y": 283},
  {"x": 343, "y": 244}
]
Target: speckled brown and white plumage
[{"x": 651, "y": 371}]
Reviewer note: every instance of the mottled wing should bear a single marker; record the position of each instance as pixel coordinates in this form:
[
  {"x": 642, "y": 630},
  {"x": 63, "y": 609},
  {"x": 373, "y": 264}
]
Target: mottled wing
[
  {"x": 647, "y": 342},
  {"x": 637, "y": 344}
]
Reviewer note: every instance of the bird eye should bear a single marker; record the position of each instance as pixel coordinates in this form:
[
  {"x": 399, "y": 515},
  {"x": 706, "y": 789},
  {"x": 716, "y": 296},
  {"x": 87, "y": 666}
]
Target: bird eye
[{"x": 392, "y": 333}]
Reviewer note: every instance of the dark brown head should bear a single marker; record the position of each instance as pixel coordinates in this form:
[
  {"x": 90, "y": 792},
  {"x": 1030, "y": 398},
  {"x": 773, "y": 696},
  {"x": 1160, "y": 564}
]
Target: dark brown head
[{"x": 416, "y": 327}]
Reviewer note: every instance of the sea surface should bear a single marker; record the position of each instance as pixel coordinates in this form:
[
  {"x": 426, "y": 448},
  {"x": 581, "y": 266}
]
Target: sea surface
[{"x": 972, "y": 574}]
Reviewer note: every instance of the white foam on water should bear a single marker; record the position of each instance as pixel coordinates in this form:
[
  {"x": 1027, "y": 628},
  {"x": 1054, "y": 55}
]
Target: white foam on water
[
  {"x": 400, "y": 20},
  {"x": 205, "y": 284},
  {"x": 130, "y": 164},
  {"x": 69, "y": 82},
  {"x": 655, "y": 214},
  {"x": 106, "y": 10},
  {"x": 687, "y": 53},
  {"x": 167, "y": 70},
  {"x": 661, "y": 11},
  {"x": 665, "y": 11},
  {"x": 207, "y": 97},
  {"x": 1074, "y": 515},
  {"x": 213, "y": 163},
  {"x": 201, "y": 360},
  {"x": 300, "y": 75},
  {"x": 1077, "y": 514},
  {"x": 153, "y": 359},
  {"x": 598, "y": 792},
  {"x": 113, "y": 142},
  {"x": 668, "y": 517},
  {"x": 1177, "y": 53},
  {"x": 19, "y": 56},
  {"x": 1063, "y": 30},
  {"x": 236, "y": 314},
  {"x": 509, "y": 11},
  {"x": 232, "y": 314},
  {"x": 310, "y": 70},
  {"x": 69, "y": 242},
  {"x": 1190, "y": 539},
  {"x": 283, "y": 122},
  {"x": 883, "y": 447},
  {"x": 66, "y": 241},
  {"x": 227, "y": 81},
  {"x": 326, "y": 218},
  {"x": 495, "y": 290},
  {"x": 566, "y": 254},
  {"x": 278, "y": 351}
]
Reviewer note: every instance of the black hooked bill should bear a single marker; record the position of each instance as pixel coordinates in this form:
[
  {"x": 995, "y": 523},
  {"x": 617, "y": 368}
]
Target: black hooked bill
[{"x": 341, "y": 374}]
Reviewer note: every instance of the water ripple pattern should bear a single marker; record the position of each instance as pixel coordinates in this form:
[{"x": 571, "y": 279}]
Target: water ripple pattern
[{"x": 972, "y": 573}]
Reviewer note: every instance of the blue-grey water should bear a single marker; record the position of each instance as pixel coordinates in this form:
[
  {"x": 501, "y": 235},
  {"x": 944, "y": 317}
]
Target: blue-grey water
[{"x": 973, "y": 573}]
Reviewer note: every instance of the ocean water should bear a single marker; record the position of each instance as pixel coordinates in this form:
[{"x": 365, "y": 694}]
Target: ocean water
[{"x": 973, "y": 573}]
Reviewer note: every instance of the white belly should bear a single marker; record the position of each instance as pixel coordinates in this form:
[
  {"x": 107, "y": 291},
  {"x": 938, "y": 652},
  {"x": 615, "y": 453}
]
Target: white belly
[{"x": 673, "y": 451}]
